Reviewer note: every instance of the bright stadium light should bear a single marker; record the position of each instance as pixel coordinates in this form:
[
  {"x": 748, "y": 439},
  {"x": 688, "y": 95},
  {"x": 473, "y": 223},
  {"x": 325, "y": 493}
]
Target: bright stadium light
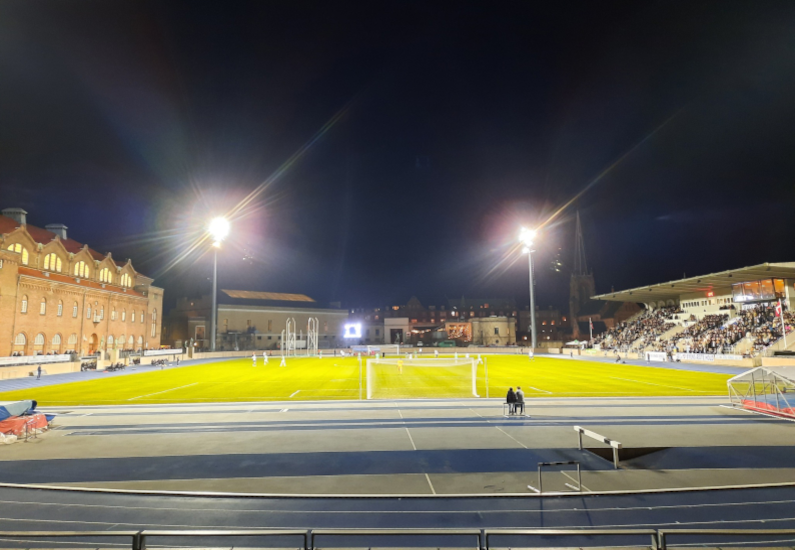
[
  {"x": 218, "y": 229},
  {"x": 352, "y": 330},
  {"x": 526, "y": 237}
]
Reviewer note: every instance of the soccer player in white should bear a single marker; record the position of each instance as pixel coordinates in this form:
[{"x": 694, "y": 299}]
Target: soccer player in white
[
  {"x": 265, "y": 357},
  {"x": 253, "y": 359},
  {"x": 283, "y": 363}
]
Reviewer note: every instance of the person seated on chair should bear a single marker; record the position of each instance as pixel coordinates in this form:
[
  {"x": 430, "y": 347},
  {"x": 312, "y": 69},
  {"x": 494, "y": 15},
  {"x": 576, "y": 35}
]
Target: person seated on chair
[
  {"x": 519, "y": 400},
  {"x": 511, "y": 400}
]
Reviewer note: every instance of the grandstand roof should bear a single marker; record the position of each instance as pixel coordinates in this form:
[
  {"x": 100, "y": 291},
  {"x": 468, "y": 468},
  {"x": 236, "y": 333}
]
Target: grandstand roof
[{"x": 702, "y": 283}]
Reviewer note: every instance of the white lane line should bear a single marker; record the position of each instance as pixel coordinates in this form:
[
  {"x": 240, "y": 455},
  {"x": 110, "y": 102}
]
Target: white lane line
[
  {"x": 295, "y": 393},
  {"x": 400, "y": 413},
  {"x": 574, "y": 480},
  {"x": 512, "y": 437},
  {"x": 539, "y": 389},
  {"x": 651, "y": 383},
  {"x": 159, "y": 392},
  {"x": 411, "y": 439},
  {"x": 284, "y": 410},
  {"x": 430, "y": 484}
]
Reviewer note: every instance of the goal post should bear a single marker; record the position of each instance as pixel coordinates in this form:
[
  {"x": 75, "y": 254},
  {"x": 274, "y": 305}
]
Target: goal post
[{"x": 406, "y": 378}]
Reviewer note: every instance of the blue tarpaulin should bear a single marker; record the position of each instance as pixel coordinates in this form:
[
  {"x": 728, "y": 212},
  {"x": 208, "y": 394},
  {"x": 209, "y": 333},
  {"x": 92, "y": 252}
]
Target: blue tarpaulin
[{"x": 17, "y": 408}]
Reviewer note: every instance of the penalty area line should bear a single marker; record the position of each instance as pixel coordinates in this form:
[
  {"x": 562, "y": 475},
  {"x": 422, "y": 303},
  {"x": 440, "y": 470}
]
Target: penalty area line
[
  {"x": 294, "y": 394},
  {"x": 164, "y": 391}
]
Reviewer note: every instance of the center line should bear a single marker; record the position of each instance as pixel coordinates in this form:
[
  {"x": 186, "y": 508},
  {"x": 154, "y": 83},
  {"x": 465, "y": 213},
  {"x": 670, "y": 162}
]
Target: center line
[
  {"x": 430, "y": 484},
  {"x": 295, "y": 393},
  {"x": 539, "y": 389},
  {"x": 158, "y": 392},
  {"x": 412, "y": 441}
]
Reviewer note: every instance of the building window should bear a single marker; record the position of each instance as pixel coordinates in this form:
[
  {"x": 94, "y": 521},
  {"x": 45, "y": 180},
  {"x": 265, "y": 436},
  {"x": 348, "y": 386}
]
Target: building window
[
  {"x": 110, "y": 341},
  {"x": 153, "y": 330},
  {"x": 113, "y": 314},
  {"x": 377, "y": 332},
  {"x": 88, "y": 312},
  {"x": 496, "y": 331},
  {"x": 43, "y": 307},
  {"x": 270, "y": 325},
  {"x": 72, "y": 340},
  {"x": 74, "y": 310},
  {"x": 19, "y": 249},
  {"x": 81, "y": 270},
  {"x": 56, "y": 340},
  {"x": 105, "y": 276},
  {"x": 102, "y": 312},
  {"x": 39, "y": 341},
  {"x": 124, "y": 315},
  {"x": 142, "y": 316},
  {"x": 126, "y": 281},
  {"x": 140, "y": 342},
  {"x": 130, "y": 341},
  {"x": 20, "y": 340},
  {"x": 52, "y": 262},
  {"x": 60, "y": 308},
  {"x": 24, "y": 304}
]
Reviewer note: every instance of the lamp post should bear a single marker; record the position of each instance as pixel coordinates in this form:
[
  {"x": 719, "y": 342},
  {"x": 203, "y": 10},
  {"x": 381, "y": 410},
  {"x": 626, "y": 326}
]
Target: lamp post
[
  {"x": 526, "y": 237},
  {"x": 218, "y": 229}
]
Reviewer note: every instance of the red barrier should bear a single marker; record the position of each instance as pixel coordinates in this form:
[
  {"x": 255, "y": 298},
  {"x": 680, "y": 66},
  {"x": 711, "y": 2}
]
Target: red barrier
[{"x": 16, "y": 424}]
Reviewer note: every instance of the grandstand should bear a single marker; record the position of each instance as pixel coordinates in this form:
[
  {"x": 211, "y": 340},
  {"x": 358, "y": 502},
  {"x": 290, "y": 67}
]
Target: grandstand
[{"x": 731, "y": 314}]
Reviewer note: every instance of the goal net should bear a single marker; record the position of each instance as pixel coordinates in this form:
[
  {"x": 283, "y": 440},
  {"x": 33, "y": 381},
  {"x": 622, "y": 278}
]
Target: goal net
[
  {"x": 389, "y": 349},
  {"x": 406, "y": 378}
]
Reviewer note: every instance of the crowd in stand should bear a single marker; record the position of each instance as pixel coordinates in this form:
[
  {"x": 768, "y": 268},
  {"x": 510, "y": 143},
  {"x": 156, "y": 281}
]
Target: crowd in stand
[
  {"x": 644, "y": 329},
  {"x": 714, "y": 333}
]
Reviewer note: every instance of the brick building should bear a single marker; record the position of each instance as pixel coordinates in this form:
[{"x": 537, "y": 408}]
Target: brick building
[{"x": 58, "y": 295}]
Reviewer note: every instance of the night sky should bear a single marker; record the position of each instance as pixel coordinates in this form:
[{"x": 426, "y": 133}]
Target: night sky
[{"x": 429, "y": 131}]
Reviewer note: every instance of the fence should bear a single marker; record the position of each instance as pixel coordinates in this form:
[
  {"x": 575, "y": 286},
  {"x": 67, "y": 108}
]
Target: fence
[{"x": 482, "y": 539}]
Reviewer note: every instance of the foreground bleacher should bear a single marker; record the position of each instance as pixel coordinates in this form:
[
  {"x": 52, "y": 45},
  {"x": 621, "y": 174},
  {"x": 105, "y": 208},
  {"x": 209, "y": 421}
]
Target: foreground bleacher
[{"x": 482, "y": 539}]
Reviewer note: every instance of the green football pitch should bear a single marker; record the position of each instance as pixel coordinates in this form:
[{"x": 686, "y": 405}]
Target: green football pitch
[{"x": 339, "y": 378}]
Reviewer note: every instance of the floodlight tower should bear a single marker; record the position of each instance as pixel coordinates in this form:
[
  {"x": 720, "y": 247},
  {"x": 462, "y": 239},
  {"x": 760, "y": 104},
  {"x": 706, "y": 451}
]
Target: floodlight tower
[
  {"x": 526, "y": 237},
  {"x": 218, "y": 230}
]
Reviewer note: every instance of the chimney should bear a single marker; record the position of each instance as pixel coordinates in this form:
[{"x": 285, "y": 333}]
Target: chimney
[
  {"x": 16, "y": 214},
  {"x": 57, "y": 228}
]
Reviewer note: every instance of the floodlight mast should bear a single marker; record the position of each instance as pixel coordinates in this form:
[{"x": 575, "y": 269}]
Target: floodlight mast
[
  {"x": 526, "y": 237},
  {"x": 218, "y": 230}
]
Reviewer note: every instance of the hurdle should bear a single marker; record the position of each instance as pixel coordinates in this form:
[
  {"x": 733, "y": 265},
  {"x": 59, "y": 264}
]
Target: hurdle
[
  {"x": 606, "y": 440},
  {"x": 567, "y": 463}
]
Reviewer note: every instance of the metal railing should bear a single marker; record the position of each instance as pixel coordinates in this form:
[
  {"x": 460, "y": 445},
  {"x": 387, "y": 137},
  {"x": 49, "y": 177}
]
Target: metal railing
[{"x": 658, "y": 539}]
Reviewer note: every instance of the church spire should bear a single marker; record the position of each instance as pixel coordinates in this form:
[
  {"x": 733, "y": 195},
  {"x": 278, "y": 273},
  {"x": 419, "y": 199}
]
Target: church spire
[{"x": 580, "y": 265}]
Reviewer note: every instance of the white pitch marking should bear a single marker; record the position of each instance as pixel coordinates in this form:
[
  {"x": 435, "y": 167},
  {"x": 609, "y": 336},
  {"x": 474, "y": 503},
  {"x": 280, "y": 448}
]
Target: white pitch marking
[
  {"x": 295, "y": 393},
  {"x": 284, "y": 410},
  {"x": 159, "y": 392},
  {"x": 571, "y": 478},
  {"x": 651, "y": 383},
  {"x": 430, "y": 484},
  {"x": 412, "y": 441},
  {"x": 539, "y": 389},
  {"x": 512, "y": 437}
]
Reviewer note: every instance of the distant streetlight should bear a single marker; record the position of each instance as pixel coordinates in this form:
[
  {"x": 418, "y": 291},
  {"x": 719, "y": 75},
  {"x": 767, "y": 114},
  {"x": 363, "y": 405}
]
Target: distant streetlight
[
  {"x": 218, "y": 230},
  {"x": 526, "y": 237}
]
